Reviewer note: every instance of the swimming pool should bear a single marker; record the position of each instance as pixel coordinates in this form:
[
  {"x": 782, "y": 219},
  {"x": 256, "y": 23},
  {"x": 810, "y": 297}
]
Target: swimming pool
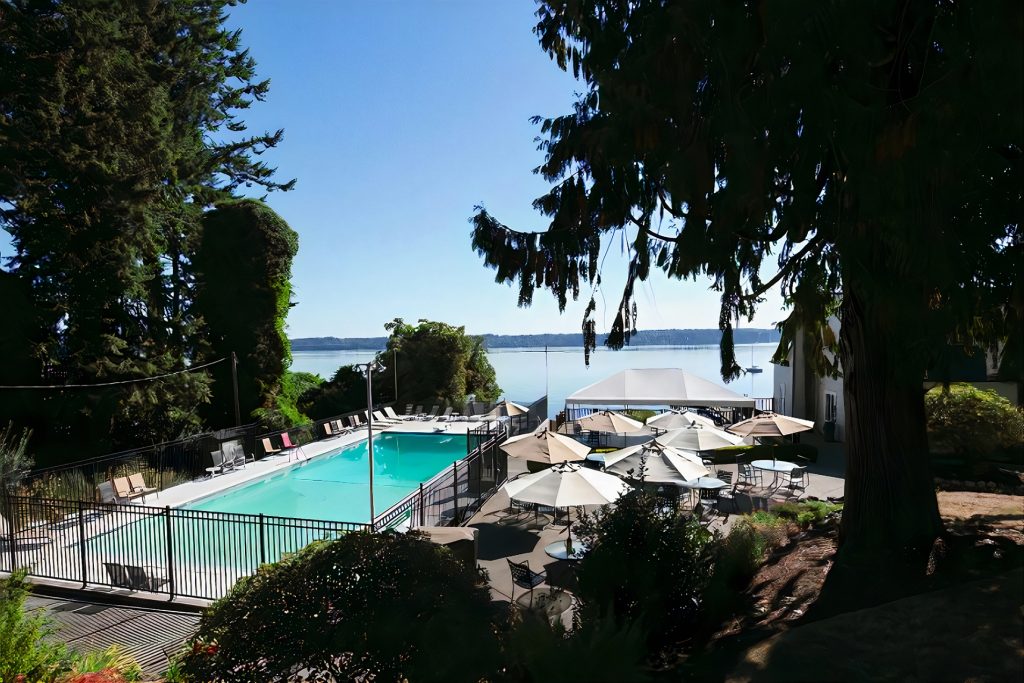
[{"x": 335, "y": 486}]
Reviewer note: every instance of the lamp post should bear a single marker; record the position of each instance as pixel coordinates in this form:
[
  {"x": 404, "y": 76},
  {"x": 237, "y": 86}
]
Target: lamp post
[{"x": 375, "y": 364}]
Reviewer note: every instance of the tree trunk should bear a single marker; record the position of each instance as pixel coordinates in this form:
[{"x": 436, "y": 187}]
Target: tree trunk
[{"x": 891, "y": 518}]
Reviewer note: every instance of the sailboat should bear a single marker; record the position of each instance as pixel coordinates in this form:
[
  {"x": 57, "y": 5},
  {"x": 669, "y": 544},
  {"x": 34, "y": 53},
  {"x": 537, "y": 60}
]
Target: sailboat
[{"x": 753, "y": 369}]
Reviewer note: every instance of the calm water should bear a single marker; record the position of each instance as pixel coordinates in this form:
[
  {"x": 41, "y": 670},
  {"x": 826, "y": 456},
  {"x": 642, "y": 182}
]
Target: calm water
[{"x": 523, "y": 377}]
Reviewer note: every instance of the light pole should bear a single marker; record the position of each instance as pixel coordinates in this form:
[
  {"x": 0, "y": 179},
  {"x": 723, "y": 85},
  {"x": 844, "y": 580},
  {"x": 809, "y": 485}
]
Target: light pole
[{"x": 370, "y": 367}]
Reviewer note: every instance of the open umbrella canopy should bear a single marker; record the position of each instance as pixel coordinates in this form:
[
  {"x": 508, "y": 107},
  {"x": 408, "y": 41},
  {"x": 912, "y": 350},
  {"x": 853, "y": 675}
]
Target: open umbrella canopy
[
  {"x": 698, "y": 438},
  {"x": 661, "y": 464},
  {"x": 675, "y": 419},
  {"x": 567, "y": 485},
  {"x": 545, "y": 446},
  {"x": 608, "y": 421},
  {"x": 507, "y": 408},
  {"x": 770, "y": 424}
]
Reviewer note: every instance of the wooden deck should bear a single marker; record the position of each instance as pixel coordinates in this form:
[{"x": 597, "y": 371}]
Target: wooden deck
[{"x": 148, "y": 635}]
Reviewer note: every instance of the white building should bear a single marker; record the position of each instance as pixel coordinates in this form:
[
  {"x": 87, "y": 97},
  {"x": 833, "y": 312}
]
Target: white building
[{"x": 798, "y": 391}]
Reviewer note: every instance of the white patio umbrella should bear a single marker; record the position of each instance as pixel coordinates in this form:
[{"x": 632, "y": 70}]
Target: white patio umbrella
[
  {"x": 661, "y": 464},
  {"x": 545, "y": 446},
  {"x": 770, "y": 424},
  {"x": 675, "y": 419},
  {"x": 608, "y": 421},
  {"x": 698, "y": 438},
  {"x": 507, "y": 408},
  {"x": 567, "y": 485}
]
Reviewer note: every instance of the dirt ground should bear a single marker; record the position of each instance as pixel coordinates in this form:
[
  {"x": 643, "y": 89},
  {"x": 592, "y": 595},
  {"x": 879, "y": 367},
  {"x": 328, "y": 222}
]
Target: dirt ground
[{"x": 790, "y": 582}]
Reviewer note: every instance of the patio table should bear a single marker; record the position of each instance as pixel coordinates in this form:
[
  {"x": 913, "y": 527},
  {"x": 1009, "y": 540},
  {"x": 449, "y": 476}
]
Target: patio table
[
  {"x": 776, "y": 467},
  {"x": 705, "y": 483},
  {"x": 558, "y": 550}
]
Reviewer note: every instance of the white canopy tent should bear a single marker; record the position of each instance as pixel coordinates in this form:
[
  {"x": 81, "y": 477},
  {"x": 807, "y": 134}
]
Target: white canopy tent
[{"x": 657, "y": 387}]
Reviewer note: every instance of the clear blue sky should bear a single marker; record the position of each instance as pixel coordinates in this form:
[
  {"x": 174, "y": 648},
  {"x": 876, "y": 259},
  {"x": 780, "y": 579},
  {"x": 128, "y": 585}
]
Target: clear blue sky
[{"x": 399, "y": 117}]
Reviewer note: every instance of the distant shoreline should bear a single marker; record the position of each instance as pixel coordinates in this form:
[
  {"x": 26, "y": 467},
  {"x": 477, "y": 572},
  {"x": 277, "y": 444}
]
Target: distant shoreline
[{"x": 497, "y": 342}]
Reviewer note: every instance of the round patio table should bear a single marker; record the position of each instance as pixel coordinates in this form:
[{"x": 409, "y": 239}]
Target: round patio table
[
  {"x": 705, "y": 483},
  {"x": 558, "y": 550},
  {"x": 547, "y": 601},
  {"x": 776, "y": 467}
]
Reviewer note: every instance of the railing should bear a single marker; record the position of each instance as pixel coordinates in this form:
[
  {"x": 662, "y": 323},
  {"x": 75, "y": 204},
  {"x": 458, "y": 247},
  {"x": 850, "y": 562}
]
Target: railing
[
  {"x": 170, "y": 551},
  {"x": 457, "y": 492}
]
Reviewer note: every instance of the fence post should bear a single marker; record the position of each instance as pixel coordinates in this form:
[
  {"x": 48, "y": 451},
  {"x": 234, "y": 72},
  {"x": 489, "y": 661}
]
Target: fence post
[
  {"x": 455, "y": 489},
  {"x": 263, "y": 542},
  {"x": 81, "y": 544},
  {"x": 12, "y": 511},
  {"x": 422, "y": 511},
  {"x": 170, "y": 550}
]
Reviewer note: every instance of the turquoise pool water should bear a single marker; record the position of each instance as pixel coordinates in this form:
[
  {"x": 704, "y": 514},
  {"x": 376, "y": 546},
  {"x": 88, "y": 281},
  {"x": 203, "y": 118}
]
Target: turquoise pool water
[{"x": 335, "y": 486}]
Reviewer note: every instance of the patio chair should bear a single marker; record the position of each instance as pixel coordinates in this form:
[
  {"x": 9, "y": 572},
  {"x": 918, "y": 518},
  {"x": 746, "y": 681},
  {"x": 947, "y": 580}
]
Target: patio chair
[
  {"x": 748, "y": 476},
  {"x": 145, "y": 578},
  {"x": 524, "y": 577},
  {"x": 444, "y": 417},
  {"x": 796, "y": 479},
  {"x": 379, "y": 418},
  {"x": 124, "y": 489},
  {"x": 12, "y": 538},
  {"x": 354, "y": 422},
  {"x": 107, "y": 494},
  {"x": 340, "y": 428},
  {"x": 268, "y": 448},
  {"x": 419, "y": 411},
  {"x": 138, "y": 484},
  {"x": 390, "y": 413},
  {"x": 117, "y": 574},
  {"x": 725, "y": 495},
  {"x": 217, "y": 457},
  {"x": 289, "y": 447},
  {"x": 234, "y": 454},
  {"x": 432, "y": 414}
]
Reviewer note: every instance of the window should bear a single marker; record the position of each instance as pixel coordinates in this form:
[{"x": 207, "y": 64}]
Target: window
[{"x": 831, "y": 406}]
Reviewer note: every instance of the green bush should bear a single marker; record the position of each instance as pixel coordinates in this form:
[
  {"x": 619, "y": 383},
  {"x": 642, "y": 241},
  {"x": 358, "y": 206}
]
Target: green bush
[
  {"x": 793, "y": 452},
  {"x": 23, "y": 648},
  {"x": 385, "y": 607},
  {"x": 112, "y": 659},
  {"x": 807, "y": 513},
  {"x": 640, "y": 415},
  {"x": 971, "y": 421},
  {"x": 645, "y": 565}
]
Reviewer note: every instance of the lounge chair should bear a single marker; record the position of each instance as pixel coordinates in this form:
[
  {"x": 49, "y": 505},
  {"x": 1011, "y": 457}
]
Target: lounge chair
[
  {"x": 446, "y": 415},
  {"x": 234, "y": 454},
  {"x": 289, "y": 447},
  {"x": 329, "y": 431},
  {"x": 145, "y": 578},
  {"x": 340, "y": 428},
  {"x": 218, "y": 467},
  {"x": 117, "y": 574},
  {"x": 107, "y": 493},
  {"x": 390, "y": 413},
  {"x": 380, "y": 417},
  {"x": 408, "y": 410},
  {"x": 353, "y": 421},
  {"x": 124, "y": 489},
  {"x": 268, "y": 448},
  {"x": 419, "y": 412},
  {"x": 432, "y": 414},
  {"x": 138, "y": 484},
  {"x": 12, "y": 538}
]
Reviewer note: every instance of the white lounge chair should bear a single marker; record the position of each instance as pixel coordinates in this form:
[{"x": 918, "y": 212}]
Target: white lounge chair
[{"x": 390, "y": 413}]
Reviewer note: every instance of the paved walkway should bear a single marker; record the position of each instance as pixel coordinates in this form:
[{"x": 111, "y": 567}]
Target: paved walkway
[{"x": 148, "y": 635}]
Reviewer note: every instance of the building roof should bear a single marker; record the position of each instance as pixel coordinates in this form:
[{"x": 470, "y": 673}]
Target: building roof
[{"x": 658, "y": 387}]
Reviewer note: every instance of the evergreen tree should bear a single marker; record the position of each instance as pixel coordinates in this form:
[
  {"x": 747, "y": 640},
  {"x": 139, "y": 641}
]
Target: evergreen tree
[{"x": 873, "y": 149}]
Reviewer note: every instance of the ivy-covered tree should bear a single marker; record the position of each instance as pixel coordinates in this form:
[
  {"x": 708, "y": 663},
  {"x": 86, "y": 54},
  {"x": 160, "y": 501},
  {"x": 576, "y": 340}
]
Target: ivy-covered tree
[
  {"x": 436, "y": 362},
  {"x": 871, "y": 150},
  {"x": 243, "y": 268},
  {"x": 118, "y": 126}
]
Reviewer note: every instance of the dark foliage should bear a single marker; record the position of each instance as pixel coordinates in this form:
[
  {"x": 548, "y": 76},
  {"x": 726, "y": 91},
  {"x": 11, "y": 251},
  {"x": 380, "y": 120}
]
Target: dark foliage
[
  {"x": 343, "y": 393},
  {"x": 646, "y": 565},
  {"x": 385, "y": 607},
  {"x": 243, "y": 270}
]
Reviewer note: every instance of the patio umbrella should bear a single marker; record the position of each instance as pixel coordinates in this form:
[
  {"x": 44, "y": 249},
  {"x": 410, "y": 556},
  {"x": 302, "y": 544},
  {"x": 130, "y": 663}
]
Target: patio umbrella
[
  {"x": 770, "y": 424},
  {"x": 661, "y": 464},
  {"x": 507, "y": 408},
  {"x": 567, "y": 485},
  {"x": 675, "y": 419},
  {"x": 608, "y": 421},
  {"x": 698, "y": 438},
  {"x": 545, "y": 446}
]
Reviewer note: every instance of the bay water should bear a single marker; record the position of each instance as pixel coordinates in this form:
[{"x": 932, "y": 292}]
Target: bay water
[{"x": 526, "y": 374}]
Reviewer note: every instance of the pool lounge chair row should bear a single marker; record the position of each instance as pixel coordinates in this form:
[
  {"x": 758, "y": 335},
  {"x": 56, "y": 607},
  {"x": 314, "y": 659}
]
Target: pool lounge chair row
[
  {"x": 124, "y": 489},
  {"x": 231, "y": 455}
]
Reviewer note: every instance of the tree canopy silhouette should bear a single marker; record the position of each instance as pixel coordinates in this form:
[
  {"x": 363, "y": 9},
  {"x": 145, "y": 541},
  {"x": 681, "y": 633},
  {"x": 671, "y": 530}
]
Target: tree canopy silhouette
[{"x": 871, "y": 151}]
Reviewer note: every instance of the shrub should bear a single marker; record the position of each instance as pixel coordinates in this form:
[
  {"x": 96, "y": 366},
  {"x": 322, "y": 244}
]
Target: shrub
[
  {"x": 366, "y": 606},
  {"x": 23, "y": 648},
  {"x": 112, "y": 664},
  {"x": 644, "y": 565},
  {"x": 968, "y": 420},
  {"x": 794, "y": 452},
  {"x": 807, "y": 513}
]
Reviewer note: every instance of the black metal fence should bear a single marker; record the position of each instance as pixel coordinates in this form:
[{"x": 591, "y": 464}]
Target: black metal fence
[
  {"x": 456, "y": 493},
  {"x": 177, "y": 552}
]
